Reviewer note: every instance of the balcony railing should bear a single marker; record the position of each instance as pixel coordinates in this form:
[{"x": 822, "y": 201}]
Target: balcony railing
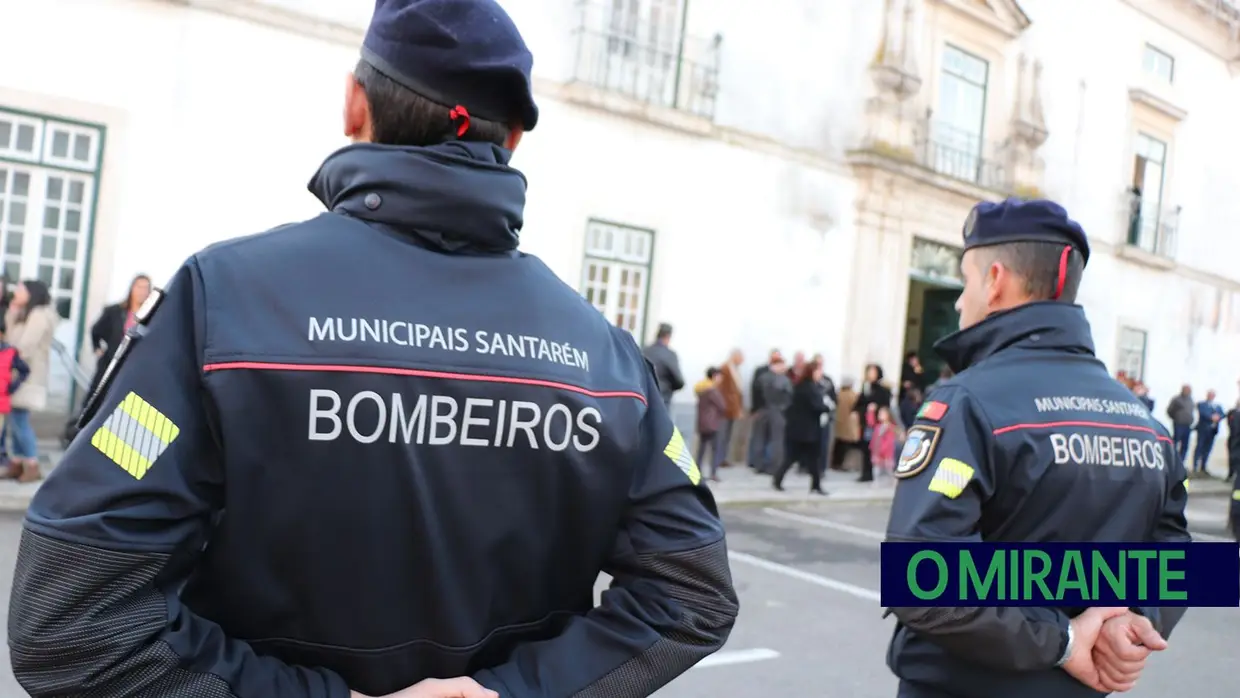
[
  {"x": 960, "y": 154},
  {"x": 644, "y": 56},
  {"x": 1152, "y": 229}
]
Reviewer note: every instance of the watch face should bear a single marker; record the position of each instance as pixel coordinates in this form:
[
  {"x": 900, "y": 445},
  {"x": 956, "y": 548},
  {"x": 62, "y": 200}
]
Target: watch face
[{"x": 148, "y": 306}]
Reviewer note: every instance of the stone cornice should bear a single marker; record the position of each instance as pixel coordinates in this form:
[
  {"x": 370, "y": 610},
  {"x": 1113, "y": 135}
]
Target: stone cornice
[{"x": 1195, "y": 23}]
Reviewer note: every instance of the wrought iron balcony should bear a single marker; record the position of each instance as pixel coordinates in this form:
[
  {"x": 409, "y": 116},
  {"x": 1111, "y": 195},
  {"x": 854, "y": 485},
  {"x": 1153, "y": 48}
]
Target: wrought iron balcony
[
  {"x": 631, "y": 49},
  {"x": 908, "y": 135},
  {"x": 960, "y": 154},
  {"x": 1152, "y": 227}
]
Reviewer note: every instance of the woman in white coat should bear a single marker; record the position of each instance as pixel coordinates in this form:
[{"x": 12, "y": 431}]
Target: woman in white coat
[{"x": 30, "y": 323}]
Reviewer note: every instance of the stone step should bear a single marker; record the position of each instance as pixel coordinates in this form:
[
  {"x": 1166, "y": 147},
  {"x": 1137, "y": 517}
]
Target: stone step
[{"x": 48, "y": 424}]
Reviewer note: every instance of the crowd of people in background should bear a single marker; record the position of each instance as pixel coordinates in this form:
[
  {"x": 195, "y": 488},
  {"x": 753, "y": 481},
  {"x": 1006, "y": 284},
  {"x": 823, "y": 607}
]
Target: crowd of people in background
[
  {"x": 798, "y": 417},
  {"x": 1198, "y": 422}
]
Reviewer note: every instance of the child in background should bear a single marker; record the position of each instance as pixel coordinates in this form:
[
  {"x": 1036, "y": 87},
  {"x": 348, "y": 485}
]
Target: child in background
[
  {"x": 10, "y": 363},
  {"x": 883, "y": 442}
]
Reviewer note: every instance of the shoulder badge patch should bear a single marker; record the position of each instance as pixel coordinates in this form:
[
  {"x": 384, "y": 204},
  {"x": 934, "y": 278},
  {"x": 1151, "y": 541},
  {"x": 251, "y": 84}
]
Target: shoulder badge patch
[
  {"x": 919, "y": 448},
  {"x": 932, "y": 411},
  {"x": 678, "y": 452}
]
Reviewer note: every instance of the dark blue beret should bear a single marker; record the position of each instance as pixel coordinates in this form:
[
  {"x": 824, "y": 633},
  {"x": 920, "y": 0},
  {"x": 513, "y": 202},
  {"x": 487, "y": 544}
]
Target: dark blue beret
[
  {"x": 465, "y": 52},
  {"x": 1016, "y": 220}
]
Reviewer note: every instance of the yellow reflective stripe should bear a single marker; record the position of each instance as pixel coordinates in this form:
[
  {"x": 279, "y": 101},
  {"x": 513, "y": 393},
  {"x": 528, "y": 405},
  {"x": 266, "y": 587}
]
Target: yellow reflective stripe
[
  {"x": 151, "y": 418},
  {"x": 1235, "y": 494},
  {"x": 119, "y": 452},
  {"x": 678, "y": 453},
  {"x": 135, "y": 435},
  {"x": 951, "y": 477}
]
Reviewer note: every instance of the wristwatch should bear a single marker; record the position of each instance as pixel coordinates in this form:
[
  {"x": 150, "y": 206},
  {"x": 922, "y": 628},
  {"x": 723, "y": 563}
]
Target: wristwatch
[{"x": 1067, "y": 650}]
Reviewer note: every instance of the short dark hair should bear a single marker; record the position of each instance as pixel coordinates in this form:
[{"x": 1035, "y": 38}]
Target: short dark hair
[
  {"x": 664, "y": 331},
  {"x": 400, "y": 116},
  {"x": 1037, "y": 264},
  {"x": 712, "y": 372}
]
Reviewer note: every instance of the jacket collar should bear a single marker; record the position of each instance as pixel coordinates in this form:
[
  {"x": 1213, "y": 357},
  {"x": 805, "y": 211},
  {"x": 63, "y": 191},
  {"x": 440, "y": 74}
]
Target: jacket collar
[
  {"x": 455, "y": 197},
  {"x": 1048, "y": 325}
]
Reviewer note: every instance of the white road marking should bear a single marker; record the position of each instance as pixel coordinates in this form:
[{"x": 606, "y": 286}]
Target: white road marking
[
  {"x": 736, "y": 657},
  {"x": 825, "y": 582},
  {"x": 824, "y": 523}
]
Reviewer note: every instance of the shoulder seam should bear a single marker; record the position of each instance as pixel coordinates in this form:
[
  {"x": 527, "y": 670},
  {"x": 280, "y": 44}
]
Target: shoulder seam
[{"x": 978, "y": 410}]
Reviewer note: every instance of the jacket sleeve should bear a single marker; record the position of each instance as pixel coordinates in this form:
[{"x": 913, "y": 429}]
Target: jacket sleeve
[
  {"x": 671, "y": 601},
  {"x": 1172, "y": 527},
  {"x": 114, "y": 532},
  {"x": 945, "y": 474},
  {"x": 99, "y": 328}
]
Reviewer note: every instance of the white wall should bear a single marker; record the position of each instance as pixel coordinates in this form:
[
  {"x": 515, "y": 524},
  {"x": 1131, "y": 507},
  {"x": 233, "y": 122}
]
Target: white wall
[
  {"x": 229, "y": 119},
  {"x": 738, "y": 261},
  {"x": 224, "y": 141},
  {"x": 1089, "y": 163}
]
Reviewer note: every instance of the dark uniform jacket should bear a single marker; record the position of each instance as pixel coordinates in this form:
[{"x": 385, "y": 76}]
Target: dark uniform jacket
[
  {"x": 374, "y": 447},
  {"x": 1037, "y": 443}
]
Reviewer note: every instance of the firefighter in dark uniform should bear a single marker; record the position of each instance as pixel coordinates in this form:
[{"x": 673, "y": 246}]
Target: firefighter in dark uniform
[
  {"x": 1019, "y": 446},
  {"x": 380, "y": 446}
]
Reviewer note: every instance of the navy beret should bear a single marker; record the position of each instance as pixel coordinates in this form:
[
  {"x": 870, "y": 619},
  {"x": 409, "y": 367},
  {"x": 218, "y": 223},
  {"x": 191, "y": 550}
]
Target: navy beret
[
  {"x": 1016, "y": 220},
  {"x": 455, "y": 52}
]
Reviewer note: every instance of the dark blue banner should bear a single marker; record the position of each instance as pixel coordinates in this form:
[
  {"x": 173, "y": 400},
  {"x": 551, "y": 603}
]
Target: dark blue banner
[{"x": 1061, "y": 574}]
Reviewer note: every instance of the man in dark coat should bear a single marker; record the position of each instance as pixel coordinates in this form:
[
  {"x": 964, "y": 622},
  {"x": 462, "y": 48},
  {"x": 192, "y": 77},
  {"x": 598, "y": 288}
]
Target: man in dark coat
[{"x": 666, "y": 364}]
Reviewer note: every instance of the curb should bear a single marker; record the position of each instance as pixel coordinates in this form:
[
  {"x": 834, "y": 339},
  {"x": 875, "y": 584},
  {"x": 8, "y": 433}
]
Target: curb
[
  {"x": 14, "y": 503},
  {"x": 863, "y": 498}
]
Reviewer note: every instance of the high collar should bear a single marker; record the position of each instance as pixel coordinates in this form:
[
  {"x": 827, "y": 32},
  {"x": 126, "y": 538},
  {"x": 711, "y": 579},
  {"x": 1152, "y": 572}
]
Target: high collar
[
  {"x": 1047, "y": 325},
  {"x": 456, "y": 196}
]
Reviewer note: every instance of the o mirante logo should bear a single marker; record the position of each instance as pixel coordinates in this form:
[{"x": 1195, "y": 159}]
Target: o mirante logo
[{"x": 1060, "y": 574}]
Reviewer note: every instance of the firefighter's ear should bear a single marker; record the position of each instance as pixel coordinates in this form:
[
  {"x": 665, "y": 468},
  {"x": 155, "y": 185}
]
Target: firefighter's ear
[
  {"x": 514, "y": 138},
  {"x": 356, "y": 112}
]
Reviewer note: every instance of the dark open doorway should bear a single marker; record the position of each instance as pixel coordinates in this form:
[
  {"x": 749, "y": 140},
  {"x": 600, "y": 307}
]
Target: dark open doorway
[{"x": 931, "y": 316}]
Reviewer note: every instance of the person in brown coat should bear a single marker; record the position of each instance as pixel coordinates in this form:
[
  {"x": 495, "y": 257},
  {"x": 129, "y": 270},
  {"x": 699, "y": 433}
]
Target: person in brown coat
[
  {"x": 711, "y": 413},
  {"x": 733, "y": 399},
  {"x": 847, "y": 427}
]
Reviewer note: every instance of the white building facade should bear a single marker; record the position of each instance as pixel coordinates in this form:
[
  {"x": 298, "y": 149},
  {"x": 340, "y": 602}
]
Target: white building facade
[{"x": 792, "y": 175}]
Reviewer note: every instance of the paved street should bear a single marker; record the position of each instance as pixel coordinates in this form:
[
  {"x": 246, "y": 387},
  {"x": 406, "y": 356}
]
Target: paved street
[{"x": 810, "y": 622}]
